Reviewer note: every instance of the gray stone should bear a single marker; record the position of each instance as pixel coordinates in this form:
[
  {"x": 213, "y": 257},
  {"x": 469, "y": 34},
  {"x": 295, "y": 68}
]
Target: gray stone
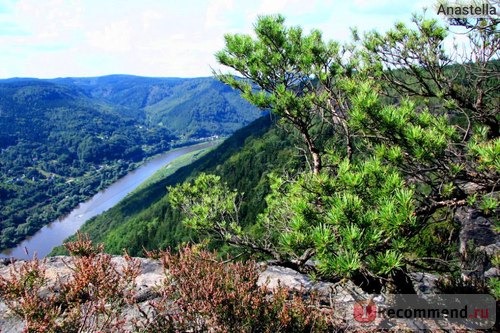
[
  {"x": 9, "y": 323},
  {"x": 478, "y": 241},
  {"x": 424, "y": 283},
  {"x": 475, "y": 228},
  {"x": 492, "y": 273},
  {"x": 339, "y": 297},
  {"x": 274, "y": 276}
]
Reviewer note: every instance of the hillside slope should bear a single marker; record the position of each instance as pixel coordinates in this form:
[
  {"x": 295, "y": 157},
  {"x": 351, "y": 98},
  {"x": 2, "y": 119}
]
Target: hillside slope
[
  {"x": 197, "y": 107},
  {"x": 62, "y": 140},
  {"x": 146, "y": 220}
]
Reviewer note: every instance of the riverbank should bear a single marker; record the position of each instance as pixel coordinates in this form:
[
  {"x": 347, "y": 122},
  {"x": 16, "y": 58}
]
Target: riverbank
[
  {"x": 179, "y": 162},
  {"x": 53, "y": 234}
]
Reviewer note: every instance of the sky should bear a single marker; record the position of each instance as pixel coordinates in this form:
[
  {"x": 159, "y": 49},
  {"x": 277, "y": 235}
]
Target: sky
[{"x": 162, "y": 38}]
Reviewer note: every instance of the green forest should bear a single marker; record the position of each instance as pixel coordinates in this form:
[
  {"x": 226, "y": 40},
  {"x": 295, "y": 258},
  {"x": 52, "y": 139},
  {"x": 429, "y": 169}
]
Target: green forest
[
  {"x": 145, "y": 220},
  {"x": 63, "y": 140}
]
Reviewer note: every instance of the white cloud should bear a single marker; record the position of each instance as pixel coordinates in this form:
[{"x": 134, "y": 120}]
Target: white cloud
[
  {"x": 51, "y": 21},
  {"x": 374, "y": 3},
  {"x": 216, "y": 12},
  {"x": 275, "y": 6},
  {"x": 115, "y": 37},
  {"x": 150, "y": 37}
]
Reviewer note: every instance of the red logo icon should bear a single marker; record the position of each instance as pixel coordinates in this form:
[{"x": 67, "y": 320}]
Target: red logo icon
[{"x": 365, "y": 311}]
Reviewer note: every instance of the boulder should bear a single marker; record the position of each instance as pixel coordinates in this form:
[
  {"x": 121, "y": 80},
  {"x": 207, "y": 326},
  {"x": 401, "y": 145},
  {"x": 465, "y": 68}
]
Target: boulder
[{"x": 478, "y": 242}]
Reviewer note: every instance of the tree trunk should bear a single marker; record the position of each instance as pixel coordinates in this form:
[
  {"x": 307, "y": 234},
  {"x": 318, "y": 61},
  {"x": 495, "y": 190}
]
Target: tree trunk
[{"x": 313, "y": 150}]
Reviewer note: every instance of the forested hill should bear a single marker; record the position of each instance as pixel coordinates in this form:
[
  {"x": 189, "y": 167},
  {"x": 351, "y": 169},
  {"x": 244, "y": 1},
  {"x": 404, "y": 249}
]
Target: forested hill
[
  {"x": 194, "y": 107},
  {"x": 145, "y": 219},
  {"x": 61, "y": 140}
]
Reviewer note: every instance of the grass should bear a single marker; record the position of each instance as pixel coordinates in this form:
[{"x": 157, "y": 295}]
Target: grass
[{"x": 172, "y": 167}]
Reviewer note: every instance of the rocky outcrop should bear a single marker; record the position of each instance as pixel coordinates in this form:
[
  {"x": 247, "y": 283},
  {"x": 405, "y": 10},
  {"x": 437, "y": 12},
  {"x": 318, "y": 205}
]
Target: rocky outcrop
[
  {"x": 152, "y": 274},
  {"x": 479, "y": 242},
  {"x": 60, "y": 268},
  {"x": 339, "y": 298}
]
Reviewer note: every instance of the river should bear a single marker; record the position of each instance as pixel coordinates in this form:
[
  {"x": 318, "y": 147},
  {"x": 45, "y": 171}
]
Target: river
[{"x": 56, "y": 232}]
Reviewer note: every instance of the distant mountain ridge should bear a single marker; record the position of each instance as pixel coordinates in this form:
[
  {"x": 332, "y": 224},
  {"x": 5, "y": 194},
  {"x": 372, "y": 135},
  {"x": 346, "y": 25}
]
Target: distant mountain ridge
[
  {"x": 63, "y": 139},
  {"x": 201, "y": 105}
]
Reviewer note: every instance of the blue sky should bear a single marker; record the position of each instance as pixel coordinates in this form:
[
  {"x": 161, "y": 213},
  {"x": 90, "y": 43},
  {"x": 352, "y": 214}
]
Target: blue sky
[{"x": 60, "y": 38}]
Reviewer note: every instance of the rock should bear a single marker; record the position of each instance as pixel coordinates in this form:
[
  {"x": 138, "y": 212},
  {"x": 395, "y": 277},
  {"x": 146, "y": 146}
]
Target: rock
[
  {"x": 490, "y": 249},
  {"x": 9, "y": 323},
  {"x": 477, "y": 232},
  {"x": 492, "y": 273},
  {"x": 338, "y": 297},
  {"x": 470, "y": 188},
  {"x": 274, "y": 276},
  {"x": 475, "y": 228},
  {"x": 424, "y": 283}
]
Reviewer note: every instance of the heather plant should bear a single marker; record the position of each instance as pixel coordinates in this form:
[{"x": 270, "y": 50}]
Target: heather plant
[
  {"x": 204, "y": 293},
  {"x": 22, "y": 292},
  {"x": 90, "y": 299},
  {"x": 201, "y": 293}
]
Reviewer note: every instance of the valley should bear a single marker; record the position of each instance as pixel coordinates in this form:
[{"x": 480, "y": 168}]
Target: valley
[
  {"x": 145, "y": 220},
  {"x": 63, "y": 140},
  {"x": 56, "y": 232}
]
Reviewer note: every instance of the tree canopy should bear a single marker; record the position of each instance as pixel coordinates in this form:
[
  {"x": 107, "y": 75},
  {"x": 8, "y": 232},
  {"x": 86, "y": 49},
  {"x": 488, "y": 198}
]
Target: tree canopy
[{"x": 399, "y": 134}]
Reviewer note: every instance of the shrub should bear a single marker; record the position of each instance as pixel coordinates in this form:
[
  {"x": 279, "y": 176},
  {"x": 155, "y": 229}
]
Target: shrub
[
  {"x": 206, "y": 294},
  {"x": 200, "y": 294},
  {"x": 89, "y": 300}
]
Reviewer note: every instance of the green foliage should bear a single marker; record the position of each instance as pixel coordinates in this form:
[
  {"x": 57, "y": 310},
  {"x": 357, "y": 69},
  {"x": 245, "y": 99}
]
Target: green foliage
[
  {"x": 292, "y": 74},
  {"x": 359, "y": 227},
  {"x": 494, "y": 285},
  {"x": 206, "y": 204},
  {"x": 487, "y": 154},
  {"x": 489, "y": 204},
  {"x": 394, "y": 165},
  {"x": 348, "y": 220}
]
